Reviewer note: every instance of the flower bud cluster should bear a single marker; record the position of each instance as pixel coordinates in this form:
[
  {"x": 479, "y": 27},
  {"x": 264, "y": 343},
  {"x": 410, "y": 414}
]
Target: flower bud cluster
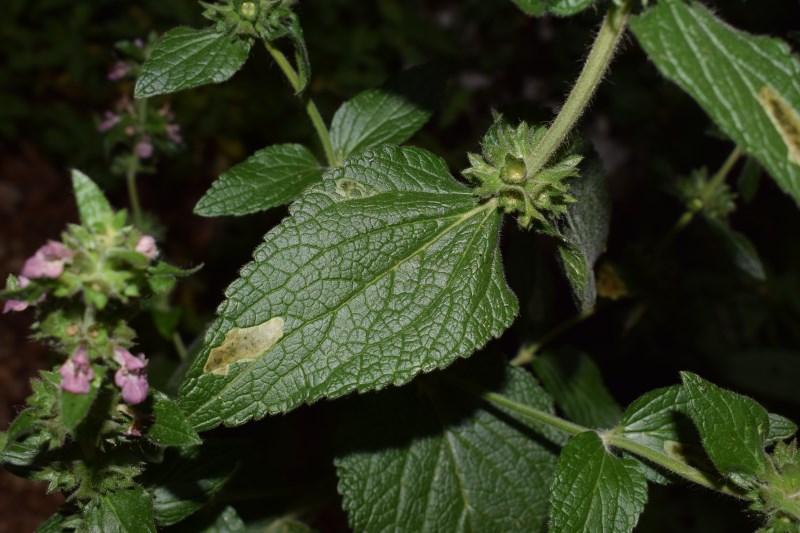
[
  {"x": 257, "y": 18},
  {"x": 702, "y": 194},
  {"x": 505, "y": 171}
]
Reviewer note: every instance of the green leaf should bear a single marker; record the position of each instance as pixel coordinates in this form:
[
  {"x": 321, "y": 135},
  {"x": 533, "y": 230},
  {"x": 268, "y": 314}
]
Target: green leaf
[
  {"x": 3, "y": 441},
  {"x": 431, "y": 458},
  {"x": 387, "y": 269},
  {"x": 740, "y": 248},
  {"x": 184, "y": 58},
  {"x": 566, "y": 8},
  {"x": 732, "y": 427},
  {"x": 188, "y": 478},
  {"x": 169, "y": 426},
  {"x": 54, "y": 524},
  {"x": 780, "y": 428},
  {"x": 656, "y": 419},
  {"x": 562, "y": 8},
  {"x": 586, "y": 227},
  {"x": 129, "y": 511},
  {"x": 594, "y": 490},
  {"x": 228, "y": 521},
  {"x": 391, "y": 114},
  {"x": 93, "y": 207},
  {"x": 575, "y": 382},
  {"x": 271, "y": 177},
  {"x": 749, "y": 85},
  {"x": 531, "y": 7},
  {"x": 75, "y": 407}
]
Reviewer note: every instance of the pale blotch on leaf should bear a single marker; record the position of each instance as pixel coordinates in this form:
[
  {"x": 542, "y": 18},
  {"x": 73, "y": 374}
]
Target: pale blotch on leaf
[
  {"x": 350, "y": 189},
  {"x": 785, "y": 119},
  {"x": 242, "y": 344}
]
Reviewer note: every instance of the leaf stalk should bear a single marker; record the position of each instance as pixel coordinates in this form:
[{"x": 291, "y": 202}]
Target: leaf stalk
[{"x": 310, "y": 107}]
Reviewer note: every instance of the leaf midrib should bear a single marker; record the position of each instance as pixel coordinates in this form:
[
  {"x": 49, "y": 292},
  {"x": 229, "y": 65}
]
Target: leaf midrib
[{"x": 491, "y": 204}]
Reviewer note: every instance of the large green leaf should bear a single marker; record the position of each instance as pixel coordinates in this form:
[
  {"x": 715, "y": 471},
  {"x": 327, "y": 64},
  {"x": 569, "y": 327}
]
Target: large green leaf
[
  {"x": 732, "y": 427},
  {"x": 594, "y": 490},
  {"x": 271, "y": 177},
  {"x": 585, "y": 226},
  {"x": 750, "y": 85},
  {"x": 391, "y": 114},
  {"x": 387, "y": 269},
  {"x": 184, "y": 58},
  {"x": 129, "y": 511},
  {"x": 431, "y": 458}
]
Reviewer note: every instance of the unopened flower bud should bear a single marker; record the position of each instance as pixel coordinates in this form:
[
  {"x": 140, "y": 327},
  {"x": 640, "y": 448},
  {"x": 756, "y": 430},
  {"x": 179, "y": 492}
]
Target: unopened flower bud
[{"x": 147, "y": 246}]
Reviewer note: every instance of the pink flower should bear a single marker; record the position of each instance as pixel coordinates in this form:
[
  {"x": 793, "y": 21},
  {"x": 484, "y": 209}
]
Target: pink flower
[
  {"x": 119, "y": 71},
  {"x": 76, "y": 373},
  {"x": 138, "y": 43},
  {"x": 110, "y": 119},
  {"x": 174, "y": 133},
  {"x": 147, "y": 246},
  {"x": 131, "y": 377},
  {"x": 144, "y": 148},
  {"x": 47, "y": 262},
  {"x": 18, "y": 305}
]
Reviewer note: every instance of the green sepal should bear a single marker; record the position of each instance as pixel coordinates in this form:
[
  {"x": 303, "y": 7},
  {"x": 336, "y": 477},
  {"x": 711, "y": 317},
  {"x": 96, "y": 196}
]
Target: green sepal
[
  {"x": 169, "y": 426},
  {"x": 93, "y": 207}
]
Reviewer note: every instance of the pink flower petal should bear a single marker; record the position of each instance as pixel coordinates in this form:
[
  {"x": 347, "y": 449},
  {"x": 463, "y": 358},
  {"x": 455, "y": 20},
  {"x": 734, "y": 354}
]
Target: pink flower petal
[{"x": 147, "y": 246}]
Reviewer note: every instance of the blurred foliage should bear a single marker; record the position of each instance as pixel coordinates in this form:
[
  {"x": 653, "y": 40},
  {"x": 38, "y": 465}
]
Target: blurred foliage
[{"x": 684, "y": 306}]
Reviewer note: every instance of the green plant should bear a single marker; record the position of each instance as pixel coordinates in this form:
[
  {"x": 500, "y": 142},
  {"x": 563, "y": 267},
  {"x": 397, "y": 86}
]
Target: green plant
[{"x": 386, "y": 275}]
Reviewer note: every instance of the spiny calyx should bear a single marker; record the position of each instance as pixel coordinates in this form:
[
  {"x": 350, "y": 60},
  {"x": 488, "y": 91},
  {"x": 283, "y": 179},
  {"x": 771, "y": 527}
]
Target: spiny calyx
[
  {"x": 257, "y": 18},
  {"x": 505, "y": 171}
]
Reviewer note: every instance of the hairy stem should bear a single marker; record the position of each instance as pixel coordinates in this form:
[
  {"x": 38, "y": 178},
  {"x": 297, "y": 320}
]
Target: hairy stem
[
  {"x": 593, "y": 70},
  {"x": 611, "y": 438},
  {"x": 310, "y": 106}
]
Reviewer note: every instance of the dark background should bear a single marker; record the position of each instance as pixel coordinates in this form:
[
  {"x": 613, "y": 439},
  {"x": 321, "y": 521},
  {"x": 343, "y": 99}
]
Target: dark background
[{"x": 688, "y": 309}]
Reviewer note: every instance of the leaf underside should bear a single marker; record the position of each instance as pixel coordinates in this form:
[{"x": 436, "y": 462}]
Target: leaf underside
[
  {"x": 749, "y": 85},
  {"x": 387, "y": 269},
  {"x": 430, "y": 458}
]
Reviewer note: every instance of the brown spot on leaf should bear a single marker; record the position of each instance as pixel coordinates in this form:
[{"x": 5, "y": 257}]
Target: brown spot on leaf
[{"x": 785, "y": 119}]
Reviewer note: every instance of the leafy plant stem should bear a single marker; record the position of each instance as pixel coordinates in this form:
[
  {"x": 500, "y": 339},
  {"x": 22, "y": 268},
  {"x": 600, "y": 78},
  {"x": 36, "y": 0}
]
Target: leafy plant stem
[
  {"x": 310, "y": 106},
  {"x": 593, "y": 70},
  {"x": 673, "y": 465},
  {"x": 528, "y": 353},
  {"x": 611, "y": 438},
  {"x": 501, "y": 401},
  {"x": 180, "y": 347}
]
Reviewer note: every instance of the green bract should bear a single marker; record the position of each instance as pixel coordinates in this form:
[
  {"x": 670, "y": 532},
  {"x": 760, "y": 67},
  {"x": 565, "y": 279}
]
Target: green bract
[{"x": 502, "y": 173}]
